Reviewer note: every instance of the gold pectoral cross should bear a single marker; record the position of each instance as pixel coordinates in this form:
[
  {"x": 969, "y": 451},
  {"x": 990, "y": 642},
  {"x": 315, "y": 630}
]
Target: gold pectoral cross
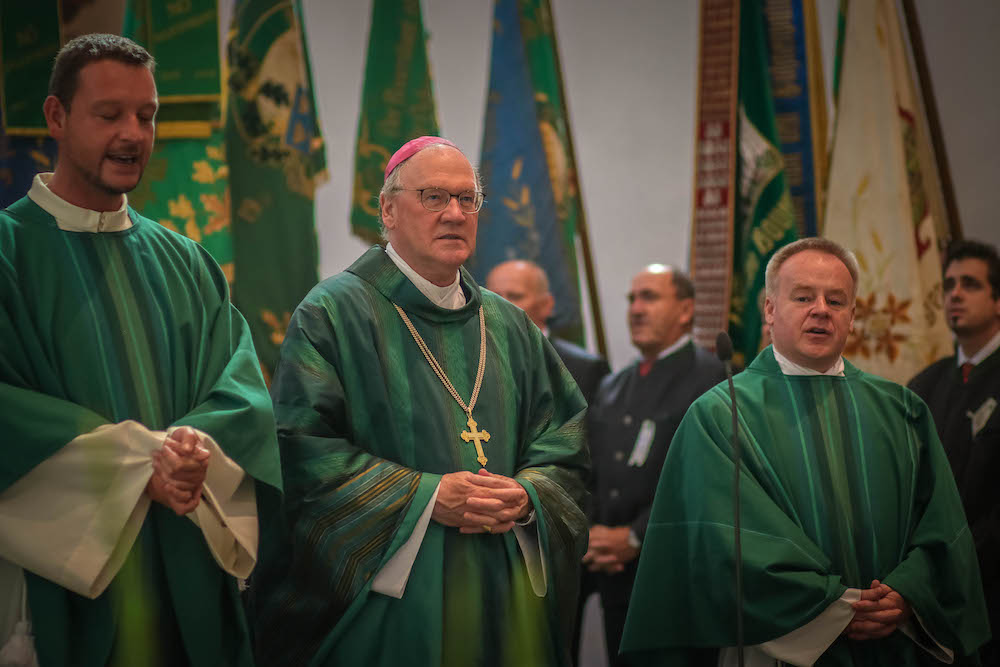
[{"x": 476, "y": 436}]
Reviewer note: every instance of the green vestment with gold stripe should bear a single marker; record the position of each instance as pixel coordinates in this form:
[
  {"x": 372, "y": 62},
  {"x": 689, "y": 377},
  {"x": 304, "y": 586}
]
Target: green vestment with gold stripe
[
  {"x": 99, "y": 328},
  {"x": 844, "y": 481},
  {"x": 366, "y": 430}
]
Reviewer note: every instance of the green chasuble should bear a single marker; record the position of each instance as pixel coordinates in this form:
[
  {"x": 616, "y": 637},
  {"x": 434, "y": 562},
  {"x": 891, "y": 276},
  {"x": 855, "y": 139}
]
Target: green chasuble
[
  {"x": 844, "y": 481},
  {"x": 366, "y": 429},
  {"x": 99, "y": 328}
]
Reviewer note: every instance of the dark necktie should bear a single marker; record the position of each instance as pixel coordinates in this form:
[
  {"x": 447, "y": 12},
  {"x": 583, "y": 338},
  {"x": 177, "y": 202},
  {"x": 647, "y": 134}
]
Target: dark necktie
[
  {"x": 645, "y": 367},
  {"x": 966, "y": 369}
]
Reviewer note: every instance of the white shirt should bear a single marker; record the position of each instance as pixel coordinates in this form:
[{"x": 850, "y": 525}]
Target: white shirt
[
  {"x": 978, "y": 357},
  {"x": 677, "y": 345},
  {"x": 789, "y": 367},
  {"x": 450, "y": 296}
]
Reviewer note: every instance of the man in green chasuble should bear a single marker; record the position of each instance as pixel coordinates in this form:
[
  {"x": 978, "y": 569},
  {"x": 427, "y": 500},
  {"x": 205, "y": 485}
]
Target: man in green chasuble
[
  {"x": 137, "y": 437},
  {"x": 855, "y": 547},
  {"x": 433, "y": 455}
]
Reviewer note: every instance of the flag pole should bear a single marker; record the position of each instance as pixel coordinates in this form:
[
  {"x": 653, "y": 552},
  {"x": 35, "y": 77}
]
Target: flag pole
[
  {"x": 581, "y": 224},
  {"x": 933, "y": 119}
]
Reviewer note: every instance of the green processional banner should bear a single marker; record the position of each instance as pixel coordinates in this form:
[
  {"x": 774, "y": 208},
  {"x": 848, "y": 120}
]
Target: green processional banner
[
  {"x": 397, "y": 104},
  {"x": 30, "y": 39},
  {"x": 186, "y": 184},
  {"x": 276, "y": 159},
  {"x": 758, "y": 157},
  {"x": 764, "y": 216}
]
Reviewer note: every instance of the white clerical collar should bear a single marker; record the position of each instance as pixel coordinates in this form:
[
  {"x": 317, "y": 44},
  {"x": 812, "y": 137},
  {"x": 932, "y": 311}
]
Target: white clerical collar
[
  {"x": 789, "y": 367},
  {"x": 978, "y": 357},
  {"x": 72, "y": 218},
  {"x": 450, "y": 296}
]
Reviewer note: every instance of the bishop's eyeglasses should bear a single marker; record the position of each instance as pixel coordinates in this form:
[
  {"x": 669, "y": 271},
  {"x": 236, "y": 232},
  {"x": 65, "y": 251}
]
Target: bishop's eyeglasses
[{"x": 437, "y": 199}]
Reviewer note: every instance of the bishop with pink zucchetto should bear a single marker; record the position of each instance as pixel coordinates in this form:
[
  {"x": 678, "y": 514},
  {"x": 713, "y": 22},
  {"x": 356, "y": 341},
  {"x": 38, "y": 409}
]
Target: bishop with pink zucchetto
[{"x": 433, "y": 454}]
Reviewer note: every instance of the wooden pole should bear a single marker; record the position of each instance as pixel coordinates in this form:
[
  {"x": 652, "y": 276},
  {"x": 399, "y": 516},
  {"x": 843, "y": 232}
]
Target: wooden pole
[
  {"x": 581, "y": 223},
  {"x": 933, "y": 119}
]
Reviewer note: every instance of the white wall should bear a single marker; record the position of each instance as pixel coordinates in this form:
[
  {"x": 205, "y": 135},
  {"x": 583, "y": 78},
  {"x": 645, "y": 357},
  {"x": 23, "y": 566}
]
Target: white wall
[{"x": 629, "y": 72}]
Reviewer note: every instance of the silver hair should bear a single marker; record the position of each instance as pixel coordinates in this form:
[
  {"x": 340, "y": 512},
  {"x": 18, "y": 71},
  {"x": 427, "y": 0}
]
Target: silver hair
[
  {"x": 394, "y": 184},
  {"x": 812, "y": 243}
]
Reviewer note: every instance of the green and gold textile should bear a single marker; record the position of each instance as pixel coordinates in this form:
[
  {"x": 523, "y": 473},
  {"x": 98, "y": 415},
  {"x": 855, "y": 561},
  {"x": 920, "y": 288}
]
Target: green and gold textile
[
  {"x": 103, "y": 328},
  {"x": 276, "y": 159},
  {"x": 366, "y": 431},
  {"x": 186, "y": 189},
  {"x": 764, "y": 218},
  {"x": 397, "y": 104},
  {"x": 845, "y": 481},
  {"x": 29, "y": 40}
]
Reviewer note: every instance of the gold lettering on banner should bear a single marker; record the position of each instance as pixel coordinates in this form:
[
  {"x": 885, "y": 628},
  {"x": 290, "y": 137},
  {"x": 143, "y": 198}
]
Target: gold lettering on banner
[
  {"x": 179, "y": 7},
  {"x": 176, "y": 29},
  {"x": 26, "y": 36},
  {"x": 714, "y": 164},
  {"x": 793, "y": 168},
  {"x": 783, "y": 64},
  {"x": 789, "y": 127}
]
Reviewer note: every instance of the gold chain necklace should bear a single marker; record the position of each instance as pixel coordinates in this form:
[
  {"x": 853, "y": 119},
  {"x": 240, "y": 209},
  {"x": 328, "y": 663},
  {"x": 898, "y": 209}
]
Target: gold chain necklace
[{"x": 473, "y": 434}]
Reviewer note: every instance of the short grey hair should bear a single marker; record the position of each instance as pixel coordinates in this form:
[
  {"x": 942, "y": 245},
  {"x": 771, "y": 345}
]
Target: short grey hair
[
  {"x": 812, "y": 243},
  {"x": 394, "y": 184}
]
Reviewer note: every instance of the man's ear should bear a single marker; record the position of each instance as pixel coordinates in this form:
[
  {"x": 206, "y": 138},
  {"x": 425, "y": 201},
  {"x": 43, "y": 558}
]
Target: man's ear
[
  {"x": 769, "y": 311},
  {"x": 388, "y": 207},
  {"x": 55, "y": 116},
  {"x": 686, "y": 316},
  {"x": 550, "y": 304}
]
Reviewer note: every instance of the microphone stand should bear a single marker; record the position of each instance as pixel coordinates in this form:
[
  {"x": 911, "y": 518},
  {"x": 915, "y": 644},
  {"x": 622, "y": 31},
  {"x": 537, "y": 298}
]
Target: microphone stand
[{"x": 724, "y": 350}]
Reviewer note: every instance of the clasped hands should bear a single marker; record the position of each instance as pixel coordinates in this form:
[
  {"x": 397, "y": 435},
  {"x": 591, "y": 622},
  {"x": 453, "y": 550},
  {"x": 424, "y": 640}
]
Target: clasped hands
[
  {"x": 179, "y": 469},
  {"x": 609, "y": 550},
  {"x": 480, "y": 502},
  {"x": 878, "y": 613}
]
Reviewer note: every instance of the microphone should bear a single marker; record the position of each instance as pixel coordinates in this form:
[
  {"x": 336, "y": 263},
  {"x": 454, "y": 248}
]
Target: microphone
[{"x": 724, "y": 350}]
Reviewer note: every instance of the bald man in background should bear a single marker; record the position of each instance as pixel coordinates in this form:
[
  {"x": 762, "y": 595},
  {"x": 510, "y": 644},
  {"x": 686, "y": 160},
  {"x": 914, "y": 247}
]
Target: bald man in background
[{"x": 525, "y": 285}]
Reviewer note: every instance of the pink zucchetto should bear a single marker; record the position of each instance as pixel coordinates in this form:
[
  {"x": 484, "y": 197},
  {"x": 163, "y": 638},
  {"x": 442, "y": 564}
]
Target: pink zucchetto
[{"x": 410, "y": 148}]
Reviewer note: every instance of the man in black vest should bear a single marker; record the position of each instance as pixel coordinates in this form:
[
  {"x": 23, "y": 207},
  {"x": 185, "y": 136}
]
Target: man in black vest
[
  {"x": 631, "y": 423},
  {"x": 525, "y": 285},
  {"x": 962, "y": 392}
]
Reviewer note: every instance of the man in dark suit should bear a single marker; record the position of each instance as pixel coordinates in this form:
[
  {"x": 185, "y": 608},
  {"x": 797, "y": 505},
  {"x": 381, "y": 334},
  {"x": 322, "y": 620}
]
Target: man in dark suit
[
  {"x": 525, "y": 285},
  {"x": 631, "y": 424},
  {"x": 963, "y": 393}
]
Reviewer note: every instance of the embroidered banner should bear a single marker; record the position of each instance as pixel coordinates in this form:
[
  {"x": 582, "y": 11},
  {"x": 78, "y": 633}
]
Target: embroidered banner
[
  {"x": 397, "y": 104},
  {"x": 715, "y": 168},
  {"x": 534, "y": 203},
  {"x": 796, "y": 74},
  {"x": 30, "y": 38},
  {"x": 276, "y": 158},
  {"x": 764, "y": 217},
  {"x": 183, "y": 36},
  {"x": 883, "y": 199}
]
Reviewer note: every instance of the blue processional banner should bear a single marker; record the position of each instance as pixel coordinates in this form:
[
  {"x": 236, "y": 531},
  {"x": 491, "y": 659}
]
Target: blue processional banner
[
  {"x": 799, "y": 105},
  {"x": 522, "y": 218}
]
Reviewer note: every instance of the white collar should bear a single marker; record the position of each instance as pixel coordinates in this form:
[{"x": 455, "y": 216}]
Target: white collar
[
  {"x": 450, "y": 296},
  {"x": 789, "y": 367},
  {"x": 978, "y": 357},
  {"x": 677, "y": 345},
  {"x": 72, "y": 218}
]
